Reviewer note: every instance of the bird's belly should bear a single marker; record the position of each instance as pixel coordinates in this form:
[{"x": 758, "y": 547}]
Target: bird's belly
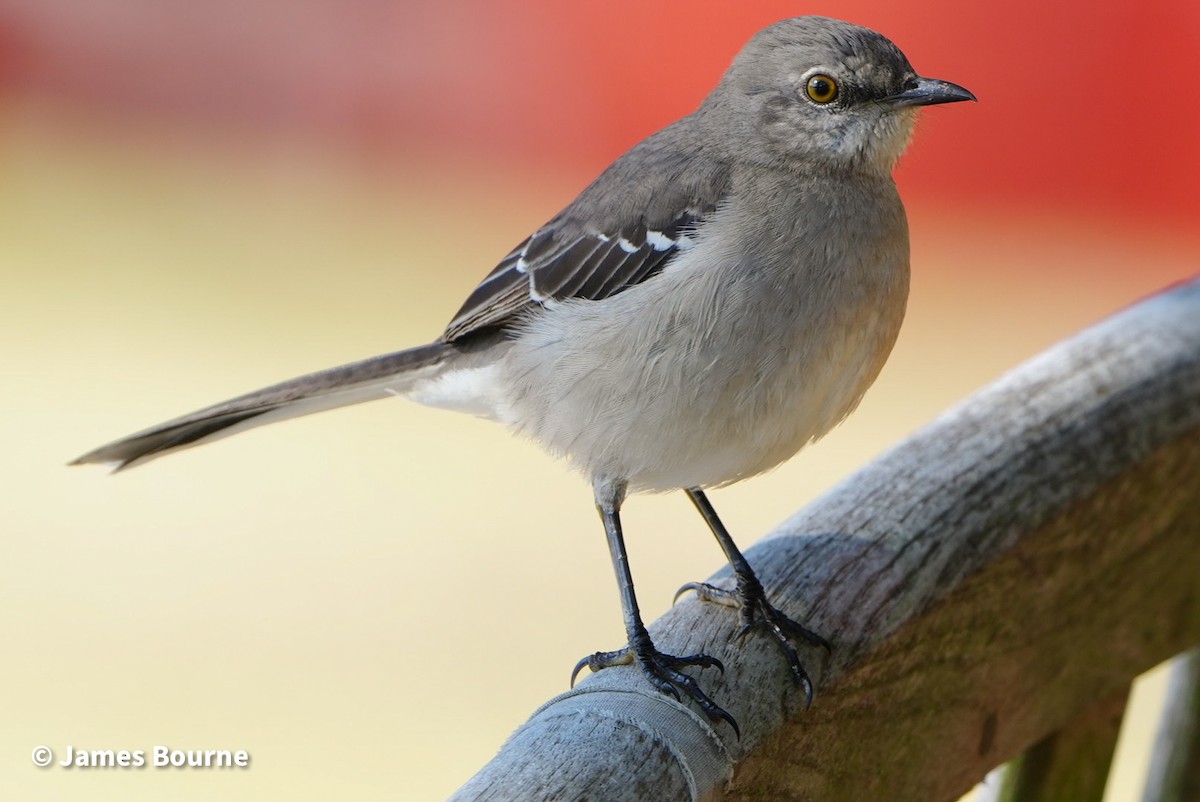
[
  {"x": 743, "y": 428},
  {"x": 668, "y": 401}
]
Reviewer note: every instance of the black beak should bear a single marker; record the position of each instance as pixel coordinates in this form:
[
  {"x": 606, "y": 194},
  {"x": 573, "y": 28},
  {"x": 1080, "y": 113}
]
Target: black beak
[{"x": 928, "y": 92}]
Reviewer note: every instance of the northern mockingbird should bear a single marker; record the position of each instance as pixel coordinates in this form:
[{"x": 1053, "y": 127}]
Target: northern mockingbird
[{"x": 722, "y": 295}]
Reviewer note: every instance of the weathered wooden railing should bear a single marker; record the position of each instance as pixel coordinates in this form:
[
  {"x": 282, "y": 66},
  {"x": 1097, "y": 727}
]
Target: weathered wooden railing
[{"x": 991, "y": 587}]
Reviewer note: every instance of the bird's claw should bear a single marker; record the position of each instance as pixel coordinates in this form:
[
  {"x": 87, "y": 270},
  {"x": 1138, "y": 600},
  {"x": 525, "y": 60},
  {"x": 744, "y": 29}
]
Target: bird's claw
[
  {"x": 709, "y": 593},
  {"x": 750, "y": 599},
  {"x": 663, "y": 672},
  {"x": 599, "y": 660}
]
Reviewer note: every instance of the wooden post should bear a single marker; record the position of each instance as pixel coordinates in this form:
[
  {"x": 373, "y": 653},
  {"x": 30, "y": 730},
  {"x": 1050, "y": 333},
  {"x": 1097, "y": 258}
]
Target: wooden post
[
  {"x": 1014, "y": 563},
  {"x": 1070, "y": 765}
]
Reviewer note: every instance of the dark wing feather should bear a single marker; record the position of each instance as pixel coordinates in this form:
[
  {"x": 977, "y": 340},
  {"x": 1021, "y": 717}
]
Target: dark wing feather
[
  {"x": 498, "y": 297},
  {"x": 624, "y": 228},
  {"x": 591, "y": 266}
]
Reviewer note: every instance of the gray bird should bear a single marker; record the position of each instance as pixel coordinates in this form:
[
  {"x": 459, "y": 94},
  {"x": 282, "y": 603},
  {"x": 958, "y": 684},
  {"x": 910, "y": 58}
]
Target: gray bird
[{"x": 722, "y": 295}]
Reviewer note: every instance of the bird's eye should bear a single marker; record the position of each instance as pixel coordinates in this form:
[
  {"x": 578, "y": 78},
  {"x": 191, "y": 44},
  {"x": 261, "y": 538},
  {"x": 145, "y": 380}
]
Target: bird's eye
[{"x": 821, "y": 89}]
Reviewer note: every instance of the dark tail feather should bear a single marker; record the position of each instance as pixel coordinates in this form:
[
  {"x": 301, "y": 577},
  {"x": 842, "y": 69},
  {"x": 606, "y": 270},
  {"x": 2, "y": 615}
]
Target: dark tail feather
[{"x": 354, "y": 383}]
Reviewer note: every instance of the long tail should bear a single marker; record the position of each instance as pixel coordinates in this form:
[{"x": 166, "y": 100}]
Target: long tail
[{"x": 354, "y": 383}]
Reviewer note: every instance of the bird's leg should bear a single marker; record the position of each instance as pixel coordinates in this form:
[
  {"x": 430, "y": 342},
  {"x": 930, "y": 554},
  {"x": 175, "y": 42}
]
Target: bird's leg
[
  {"x": 662, "y": 670},
  {"x": 750, "y": 597}
]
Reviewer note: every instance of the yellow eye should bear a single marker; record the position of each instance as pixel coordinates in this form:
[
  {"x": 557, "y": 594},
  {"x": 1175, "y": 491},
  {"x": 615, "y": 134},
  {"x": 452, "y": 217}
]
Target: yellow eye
[{"x": 821, "y": 89}]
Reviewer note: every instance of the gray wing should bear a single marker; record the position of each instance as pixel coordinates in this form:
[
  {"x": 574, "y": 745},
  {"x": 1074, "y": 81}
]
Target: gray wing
[{"x": 624, "y": 228}]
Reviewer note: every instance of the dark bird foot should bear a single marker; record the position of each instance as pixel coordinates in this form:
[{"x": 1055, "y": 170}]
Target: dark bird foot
[
  {"x": 663, "y": 672},
  {"x": 757, "y": 611}
]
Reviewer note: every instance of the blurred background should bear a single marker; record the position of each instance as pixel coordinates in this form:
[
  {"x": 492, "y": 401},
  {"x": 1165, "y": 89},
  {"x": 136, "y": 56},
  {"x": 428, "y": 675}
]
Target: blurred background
[{"x": 197, "y": 199}]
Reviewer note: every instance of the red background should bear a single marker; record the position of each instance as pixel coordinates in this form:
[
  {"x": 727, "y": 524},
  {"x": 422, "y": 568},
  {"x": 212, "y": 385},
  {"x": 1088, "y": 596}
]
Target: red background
[{"x": 1086, "y": 105}]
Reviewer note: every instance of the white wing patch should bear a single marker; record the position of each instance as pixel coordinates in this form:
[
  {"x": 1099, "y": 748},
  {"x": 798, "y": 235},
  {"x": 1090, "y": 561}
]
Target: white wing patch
[
  {"x": 659, "y": 241},
  {"x": 542, "y": 298}
]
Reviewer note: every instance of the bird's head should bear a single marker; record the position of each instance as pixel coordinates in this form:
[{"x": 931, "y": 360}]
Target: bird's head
[{"x": 820, "y": 91}]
